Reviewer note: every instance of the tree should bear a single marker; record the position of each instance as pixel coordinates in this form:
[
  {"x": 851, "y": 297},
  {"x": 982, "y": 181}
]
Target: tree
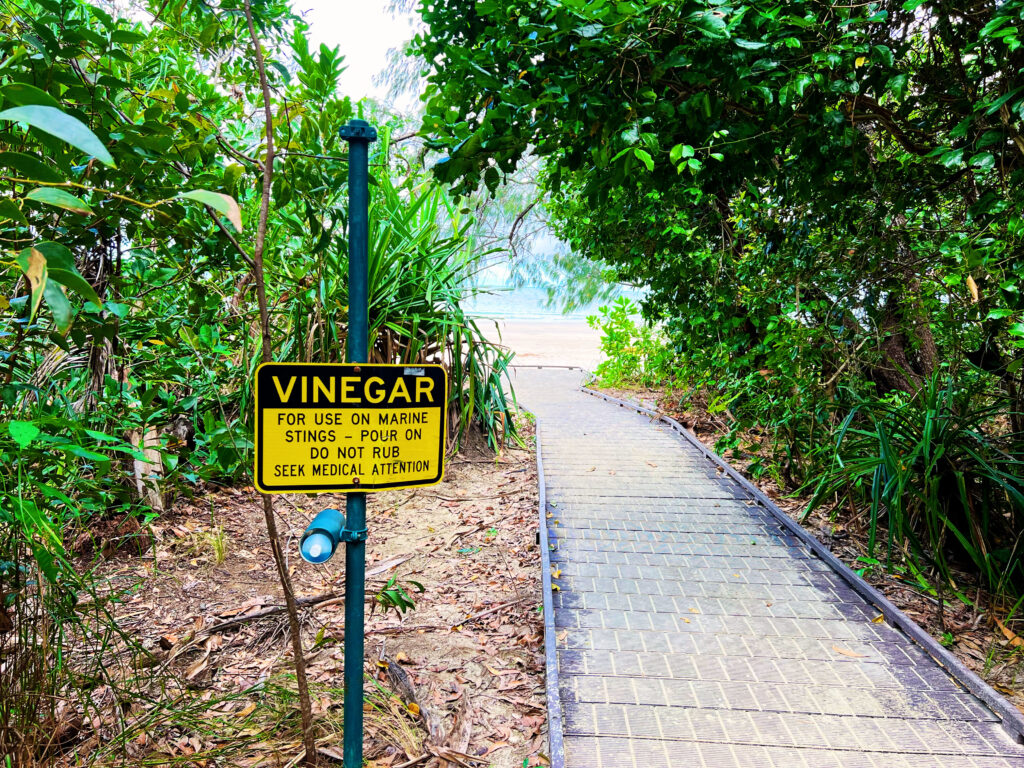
[{"x": 823, "y": 199}]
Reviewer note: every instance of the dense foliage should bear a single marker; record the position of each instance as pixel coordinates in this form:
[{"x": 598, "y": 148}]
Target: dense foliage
[
  {"x": 824, "y": 201},
  {"x": 131, "y": 162}
]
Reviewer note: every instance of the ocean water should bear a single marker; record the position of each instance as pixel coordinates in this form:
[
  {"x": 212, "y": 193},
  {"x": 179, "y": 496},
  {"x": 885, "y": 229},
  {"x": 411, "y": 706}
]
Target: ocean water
[{"x": 503, "y": 303}]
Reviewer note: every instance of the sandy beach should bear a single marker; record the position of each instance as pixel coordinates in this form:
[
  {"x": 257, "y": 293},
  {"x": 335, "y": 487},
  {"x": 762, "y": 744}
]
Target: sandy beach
[{"x": 539, "y": 342}]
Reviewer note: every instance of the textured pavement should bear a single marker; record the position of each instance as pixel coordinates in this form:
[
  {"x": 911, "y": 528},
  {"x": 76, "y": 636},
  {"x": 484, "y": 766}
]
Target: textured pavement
[{"x": 692, "y": 630}]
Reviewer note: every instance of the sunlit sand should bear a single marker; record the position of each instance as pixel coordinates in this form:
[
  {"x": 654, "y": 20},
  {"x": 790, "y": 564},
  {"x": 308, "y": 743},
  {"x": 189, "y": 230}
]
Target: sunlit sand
[{"x": 540, "y": 342}]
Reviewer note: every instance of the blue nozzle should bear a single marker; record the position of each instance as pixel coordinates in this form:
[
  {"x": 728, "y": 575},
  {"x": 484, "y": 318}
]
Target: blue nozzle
[
  {"x": 322, "y": 536},
  {"x": 317, "y": 548}
]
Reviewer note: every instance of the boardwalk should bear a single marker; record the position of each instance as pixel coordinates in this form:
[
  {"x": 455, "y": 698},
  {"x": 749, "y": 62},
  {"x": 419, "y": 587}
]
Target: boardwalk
[{"x": 692, "y": 629}]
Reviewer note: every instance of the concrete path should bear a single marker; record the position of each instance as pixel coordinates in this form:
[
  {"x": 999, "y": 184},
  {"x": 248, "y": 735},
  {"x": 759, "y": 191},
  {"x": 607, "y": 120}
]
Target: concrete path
[{"x": 692, "y": 629}]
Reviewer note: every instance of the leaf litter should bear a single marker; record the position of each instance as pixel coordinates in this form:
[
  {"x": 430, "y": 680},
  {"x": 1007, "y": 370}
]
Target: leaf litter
[{"x": 471, "y": 649}]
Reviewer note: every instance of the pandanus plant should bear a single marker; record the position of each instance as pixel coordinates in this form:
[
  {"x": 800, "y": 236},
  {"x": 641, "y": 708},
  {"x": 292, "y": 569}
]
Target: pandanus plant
[
  {"x": 940, "y": 477},
  {"x": 421, "y": 264}
]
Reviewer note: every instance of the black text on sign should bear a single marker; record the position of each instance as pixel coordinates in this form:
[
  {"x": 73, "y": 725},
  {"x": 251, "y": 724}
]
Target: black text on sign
[{"x": 330, "y": 427}]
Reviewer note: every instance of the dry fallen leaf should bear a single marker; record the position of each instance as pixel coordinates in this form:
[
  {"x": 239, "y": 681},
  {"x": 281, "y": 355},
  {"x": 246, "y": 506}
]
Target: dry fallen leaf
[
  {"x": 879, "y": 619},
  {"x": 198, "y": 667},
  {"x": 1009, "y": 634},
  {"x": 848, "y": 652}
]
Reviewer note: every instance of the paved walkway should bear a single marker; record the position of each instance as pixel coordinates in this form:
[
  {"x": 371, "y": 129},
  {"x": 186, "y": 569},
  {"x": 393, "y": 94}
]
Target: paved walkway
[{"x": 693, "y": 630}]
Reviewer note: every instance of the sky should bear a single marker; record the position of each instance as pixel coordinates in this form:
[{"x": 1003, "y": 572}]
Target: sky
[{"x": 364, "y": 31}]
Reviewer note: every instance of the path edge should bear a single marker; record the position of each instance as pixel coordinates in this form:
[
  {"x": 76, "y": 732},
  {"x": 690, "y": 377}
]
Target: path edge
[
  {"x": 552, "y": 689},
  {"x": 1010, "y": 717}
]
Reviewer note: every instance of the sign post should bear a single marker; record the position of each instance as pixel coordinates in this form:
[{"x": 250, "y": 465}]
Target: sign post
[
  {"x": 358, "y": 134},
  {"x": 352, "y": 427}
]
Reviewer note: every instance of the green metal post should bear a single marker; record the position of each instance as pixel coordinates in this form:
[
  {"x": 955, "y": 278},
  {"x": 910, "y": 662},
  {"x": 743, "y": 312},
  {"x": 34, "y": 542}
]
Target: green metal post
[{"x": 358, "y": 134}]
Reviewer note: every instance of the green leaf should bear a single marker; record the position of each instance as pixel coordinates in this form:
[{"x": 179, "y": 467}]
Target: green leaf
[
  {"x": 882, "y": 54},
  {"x": 118, "y": 310},
  {"x": 30, "y": 168},
  {"x": 802, "y": 81},
  {"x": 223, "y": 204},
  {"x": 9, "y": 211},
  {"x": 65, "y": 127},
  {"x": 679, "y": 151},
  {"x": 23, "y": 94},
  {"x": 952, "y": 158},
  {"x": 999, "y": 314},
  {"x": 60, "y": 199},
  {"x": 644, "y": 157},
  {"x": 285, "y": 74},
  {"x": 1017, "y": 329},
  {"x": 102, "y": 437},
  {"x": 59, "y": 305},
  {"x": 995, "y": 105},
  {"x": 984, "y": 161},
  {"x": 710, "y": 24},
  {"x": 750, "y": 45},
  {"x": 23, "y": 432},
  {"x": 126, "y": 36},
  {"x": 41, "y": 525}
]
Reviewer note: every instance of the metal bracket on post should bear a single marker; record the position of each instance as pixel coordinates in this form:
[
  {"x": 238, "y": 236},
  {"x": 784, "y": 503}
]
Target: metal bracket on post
[
  {"x": 358, "y": 134},
  {"x": 347, "y": 535}
]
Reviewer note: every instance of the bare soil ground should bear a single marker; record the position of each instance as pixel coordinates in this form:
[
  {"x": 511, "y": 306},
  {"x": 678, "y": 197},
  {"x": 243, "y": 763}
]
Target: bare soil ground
[
  {"x": 980, "y": 635},
  {"x": 471, "y": 650}
]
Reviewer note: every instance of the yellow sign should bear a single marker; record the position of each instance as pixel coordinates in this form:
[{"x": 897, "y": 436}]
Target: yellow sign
[{"x": 322, "y": 427}]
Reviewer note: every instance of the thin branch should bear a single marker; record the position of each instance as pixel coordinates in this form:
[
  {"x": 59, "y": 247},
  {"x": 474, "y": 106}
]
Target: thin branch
[
  {"x": 234, "y": 241},
  {"x": 315, "y": 157},
  {"x": 295, "y": 630},
  {"x": 516, "y": 225}
]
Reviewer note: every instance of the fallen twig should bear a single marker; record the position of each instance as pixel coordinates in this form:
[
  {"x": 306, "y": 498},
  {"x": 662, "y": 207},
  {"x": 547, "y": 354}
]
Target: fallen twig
[
  {"x": 402, "y": 630},
  {"x": 510, "y": 700},
  {"x": 477, "y": 498},
  {"x": 300, "y": 602},
  {"x": 319, "y": 601},
  {"x": 488, "y": 612}
]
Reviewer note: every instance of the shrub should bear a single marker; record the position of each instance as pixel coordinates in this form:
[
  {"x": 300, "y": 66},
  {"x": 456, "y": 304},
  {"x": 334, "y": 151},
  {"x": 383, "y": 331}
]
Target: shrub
[{"x": 634, "y": 352}]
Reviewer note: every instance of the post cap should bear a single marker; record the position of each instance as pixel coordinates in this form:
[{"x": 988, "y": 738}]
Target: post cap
[{"x": 358, "y": 130}]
